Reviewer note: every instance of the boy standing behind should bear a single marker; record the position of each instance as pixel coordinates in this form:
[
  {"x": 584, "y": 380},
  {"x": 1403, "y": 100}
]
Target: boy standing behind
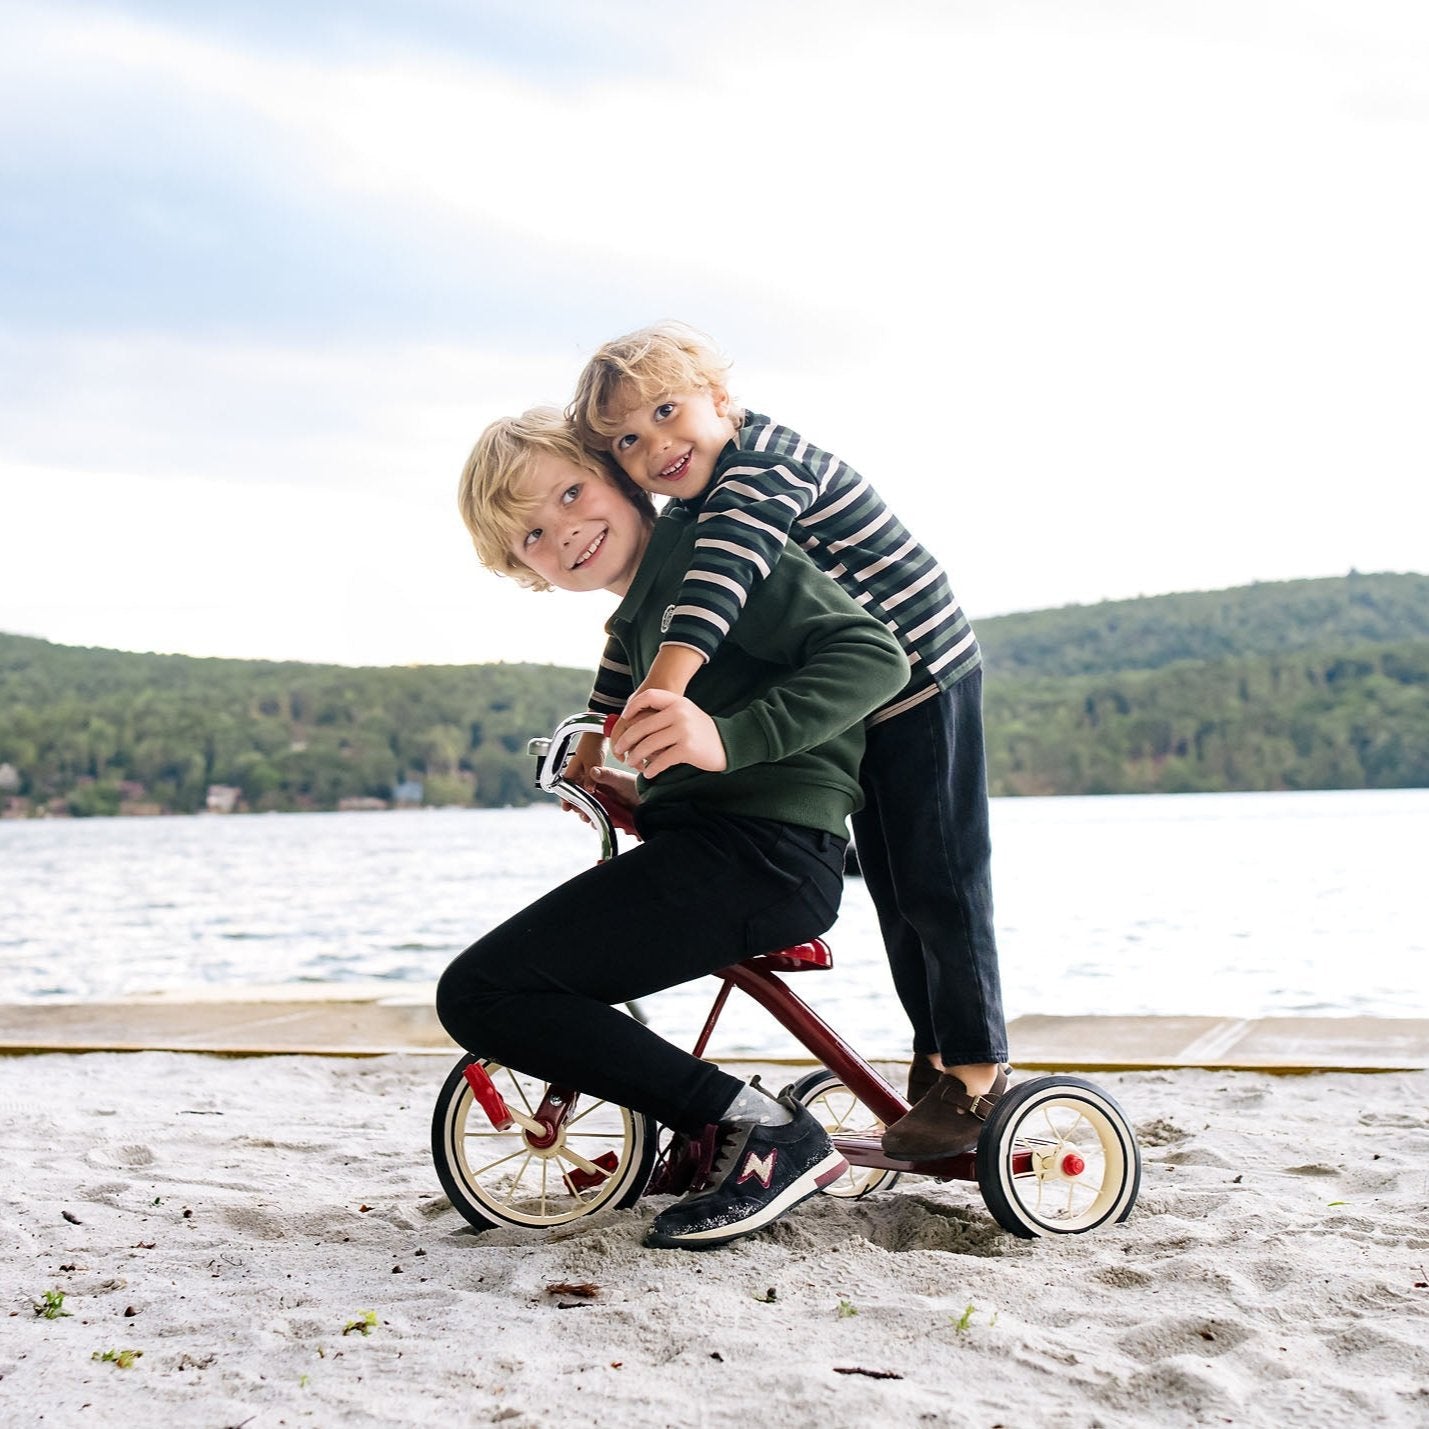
[{"x": 656, "y": 401}]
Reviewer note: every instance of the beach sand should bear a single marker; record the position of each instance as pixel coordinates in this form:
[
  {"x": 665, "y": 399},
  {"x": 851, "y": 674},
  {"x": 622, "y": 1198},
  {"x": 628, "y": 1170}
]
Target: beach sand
[{"x": 230, "y": 1218}]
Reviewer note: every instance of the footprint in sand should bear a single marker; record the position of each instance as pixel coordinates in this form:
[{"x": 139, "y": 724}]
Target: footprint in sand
[
  {"x": 1159, "y": 1132},
  {"x": 1198, "y": 1156},
  {"x": 116, "y": 1157},
  {"x": 117, "y": 1195},
  {"x": 911, "y": 1222},
  {"x": 1202, "y": 1336},
  {"x": 1123, "y": 1277}
]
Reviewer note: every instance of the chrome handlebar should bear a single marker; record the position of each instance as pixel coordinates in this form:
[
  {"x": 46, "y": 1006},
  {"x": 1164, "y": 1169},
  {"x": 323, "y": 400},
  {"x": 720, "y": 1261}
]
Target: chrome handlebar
[{"x": 551, "y": 757}]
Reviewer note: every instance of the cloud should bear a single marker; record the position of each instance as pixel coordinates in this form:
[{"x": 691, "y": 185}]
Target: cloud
[
  {"x": 132, "y": 561},
  {"x": 374, "y": 418},
  {"x": 1105, "y": 299}
]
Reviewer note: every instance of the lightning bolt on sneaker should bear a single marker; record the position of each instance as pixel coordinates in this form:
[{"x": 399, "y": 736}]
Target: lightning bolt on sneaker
[{"x": 759, "y": 1173}]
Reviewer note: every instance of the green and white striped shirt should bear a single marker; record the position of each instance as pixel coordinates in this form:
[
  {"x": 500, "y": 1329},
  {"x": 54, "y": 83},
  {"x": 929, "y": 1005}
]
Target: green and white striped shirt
[{"x": 769, "y": 485}]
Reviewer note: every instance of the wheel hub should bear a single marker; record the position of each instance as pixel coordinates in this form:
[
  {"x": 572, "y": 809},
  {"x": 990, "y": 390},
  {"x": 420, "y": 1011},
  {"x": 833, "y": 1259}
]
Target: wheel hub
[{"x": 1058, "y": 1163}]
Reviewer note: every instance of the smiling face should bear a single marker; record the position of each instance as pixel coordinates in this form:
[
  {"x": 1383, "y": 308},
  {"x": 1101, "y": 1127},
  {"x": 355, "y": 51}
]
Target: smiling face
[
  {"x": 669, "y": 446},
  {"x": 582, "y": 532}
]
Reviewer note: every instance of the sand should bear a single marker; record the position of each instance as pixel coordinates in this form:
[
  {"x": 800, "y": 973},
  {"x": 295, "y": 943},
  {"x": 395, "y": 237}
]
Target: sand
[{"x": 241, "y": 1222}]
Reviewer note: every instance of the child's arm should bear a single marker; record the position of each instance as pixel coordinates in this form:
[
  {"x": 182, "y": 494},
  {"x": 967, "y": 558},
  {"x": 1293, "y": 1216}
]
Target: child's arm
[
  {"x": 614, "y": 682},
  {"x": 673, "y": 667},
  {"x": 609, "y": 694},
  {"x": 665, "y": 729},
  {"x": 742, "y": 529},
  {"x": 587, "y": 755},
  {"x": 743, "y": 525},
  {"x": 843, "y": 664},
  {"x": 847, "y": 665}
]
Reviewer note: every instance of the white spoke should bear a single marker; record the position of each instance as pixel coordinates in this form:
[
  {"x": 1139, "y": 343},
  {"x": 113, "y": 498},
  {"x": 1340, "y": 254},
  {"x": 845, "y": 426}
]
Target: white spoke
[
  {"x": 500, "y": 1160},
  {"x": 576, "y": 1159},
  {"x": 515, "y": 1190},
  {"x": 581, "y": 1116},
  {"x": 520, "y": 1092}
]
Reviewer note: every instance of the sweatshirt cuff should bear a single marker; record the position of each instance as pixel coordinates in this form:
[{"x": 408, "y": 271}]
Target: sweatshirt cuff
[{"x": 745, "y": 738}]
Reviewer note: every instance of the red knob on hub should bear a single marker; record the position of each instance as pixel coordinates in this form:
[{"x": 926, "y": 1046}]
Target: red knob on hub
[{"x": 1072, "y": 1164}]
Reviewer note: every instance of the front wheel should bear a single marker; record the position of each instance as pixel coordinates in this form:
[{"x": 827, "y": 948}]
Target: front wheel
[
  {"x": 841, "y": 1113},
  {"x": 1057, "y": 1156},
  {"x": 601, "y": 1157}
]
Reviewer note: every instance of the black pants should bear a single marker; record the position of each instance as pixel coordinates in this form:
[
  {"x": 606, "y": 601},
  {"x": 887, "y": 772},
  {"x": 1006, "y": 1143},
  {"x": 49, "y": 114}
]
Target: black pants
[
  {"x": 926, "y": 854},
  {"x": 703, "y": 890}
]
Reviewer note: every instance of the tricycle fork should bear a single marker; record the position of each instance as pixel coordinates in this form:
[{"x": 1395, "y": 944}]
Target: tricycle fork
[{"x": 541, "y": 1128}]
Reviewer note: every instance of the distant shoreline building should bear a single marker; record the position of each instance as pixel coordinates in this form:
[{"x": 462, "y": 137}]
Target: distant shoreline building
[
  {"x": 408, "y": 794},
  {"x": 222, "y": 799}
]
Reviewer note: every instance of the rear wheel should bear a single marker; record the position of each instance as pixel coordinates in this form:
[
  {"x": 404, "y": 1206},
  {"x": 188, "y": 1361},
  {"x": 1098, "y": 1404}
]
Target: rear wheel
[
  {"x": 1057, "y": 1156},
  {"x": 601, "y": 1157},
  {"x": 840, "y": 1112}
]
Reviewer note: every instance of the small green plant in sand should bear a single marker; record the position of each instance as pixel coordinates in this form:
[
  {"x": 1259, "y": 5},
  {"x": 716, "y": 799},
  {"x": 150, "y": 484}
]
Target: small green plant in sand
[
  {"x": 365, "y": 1323},
  {"x": 964, "y": 1322},
  {"x": 52, "y": 1306},
  {"x": 847, "y": 1308},
  {"x": 123, "y": 1358}
]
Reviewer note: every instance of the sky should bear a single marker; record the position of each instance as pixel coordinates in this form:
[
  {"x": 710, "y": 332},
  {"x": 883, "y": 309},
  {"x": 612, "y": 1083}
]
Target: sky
[{"x": 1106, "y": 297}]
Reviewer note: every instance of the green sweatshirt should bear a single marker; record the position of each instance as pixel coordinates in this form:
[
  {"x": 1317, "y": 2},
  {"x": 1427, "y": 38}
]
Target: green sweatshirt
[{"x": 788, "y": 688}]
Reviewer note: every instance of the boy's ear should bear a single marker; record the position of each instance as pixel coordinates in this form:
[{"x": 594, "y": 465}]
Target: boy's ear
[{"x": 720, "y": 396}]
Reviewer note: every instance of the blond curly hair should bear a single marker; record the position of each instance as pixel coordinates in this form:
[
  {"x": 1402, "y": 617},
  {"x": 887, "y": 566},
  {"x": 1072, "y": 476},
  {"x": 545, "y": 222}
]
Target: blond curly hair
[
  {"x": 642, "y": 367},
  {"x": 492, "y": 496}
]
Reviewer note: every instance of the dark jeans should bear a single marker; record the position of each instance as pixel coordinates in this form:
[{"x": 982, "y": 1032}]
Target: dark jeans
[
  {"x": 703, "y": 890},
  {"x": 925, "y": 852}
]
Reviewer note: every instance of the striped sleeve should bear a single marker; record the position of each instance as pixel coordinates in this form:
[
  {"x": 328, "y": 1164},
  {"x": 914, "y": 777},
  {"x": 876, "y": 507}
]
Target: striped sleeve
[
  {"x": 614, "y": 683},
  {"x": 742, "y": 527}
]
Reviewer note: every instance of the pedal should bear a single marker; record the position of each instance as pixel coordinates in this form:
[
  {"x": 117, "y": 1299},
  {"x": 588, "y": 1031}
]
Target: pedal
[{"x": 577, "y": 1180}]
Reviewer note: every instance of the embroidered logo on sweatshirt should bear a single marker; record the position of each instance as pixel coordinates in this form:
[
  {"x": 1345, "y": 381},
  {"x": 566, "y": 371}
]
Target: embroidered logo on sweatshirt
[{"x": 665, "y": 619}]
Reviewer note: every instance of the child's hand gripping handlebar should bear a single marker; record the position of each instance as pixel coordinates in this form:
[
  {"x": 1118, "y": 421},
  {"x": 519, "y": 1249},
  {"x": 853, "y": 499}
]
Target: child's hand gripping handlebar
[
  {"x": 605, "y": 813},
  {"x": 618, "y": 813}
]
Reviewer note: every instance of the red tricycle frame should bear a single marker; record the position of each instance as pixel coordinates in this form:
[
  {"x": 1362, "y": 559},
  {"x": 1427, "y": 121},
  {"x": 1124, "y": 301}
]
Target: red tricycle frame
[{"x": 1055, "y": 1156}]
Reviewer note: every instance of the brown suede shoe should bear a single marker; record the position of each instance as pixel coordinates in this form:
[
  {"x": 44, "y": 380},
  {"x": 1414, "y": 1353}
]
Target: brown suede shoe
[
  {"x": 922, "y": 1078},
  {"x": 946, "y": 1122}
]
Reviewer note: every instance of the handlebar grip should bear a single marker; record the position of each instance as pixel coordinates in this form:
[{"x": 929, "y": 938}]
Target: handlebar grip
[
  {"x": 609, "y": 724},
  {"x": 618, "y": 814}
]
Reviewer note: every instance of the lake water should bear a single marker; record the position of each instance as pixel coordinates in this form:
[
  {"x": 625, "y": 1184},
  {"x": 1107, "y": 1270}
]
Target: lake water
[{"x": 1225, "y": 904}]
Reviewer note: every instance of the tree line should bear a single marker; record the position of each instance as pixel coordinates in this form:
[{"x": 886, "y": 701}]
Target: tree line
[
  {"x": 1311, "y": 684},
  {"x": 105, "y": 731},
  {"x": 1291, "y": 685}
]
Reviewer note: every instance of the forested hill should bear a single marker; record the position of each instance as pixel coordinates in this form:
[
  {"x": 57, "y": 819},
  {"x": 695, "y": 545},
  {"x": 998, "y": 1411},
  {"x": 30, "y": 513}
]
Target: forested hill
[
  {"x": 1301, "y": 684},
  {"x": 1276, "y": 618},
  {"x": 102, "y": 731},
  {"x": 1316, "y": 684}
]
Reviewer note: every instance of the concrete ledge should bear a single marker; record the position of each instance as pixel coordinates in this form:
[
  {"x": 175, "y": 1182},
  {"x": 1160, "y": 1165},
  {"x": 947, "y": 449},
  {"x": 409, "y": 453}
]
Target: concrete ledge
[
  {"x": 367, "y": 1021},
  {"x": 1265, "y": 1044},
  {"x": 328, "y": 1028}
]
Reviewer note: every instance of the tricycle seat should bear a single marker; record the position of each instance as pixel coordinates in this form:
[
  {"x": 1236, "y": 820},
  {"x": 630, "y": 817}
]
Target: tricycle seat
[{"x": 802, "y": 958}]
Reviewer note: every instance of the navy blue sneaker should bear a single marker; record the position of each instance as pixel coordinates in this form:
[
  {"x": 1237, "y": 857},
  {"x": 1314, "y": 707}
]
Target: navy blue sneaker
[{"x": 759, "y": 1173}]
